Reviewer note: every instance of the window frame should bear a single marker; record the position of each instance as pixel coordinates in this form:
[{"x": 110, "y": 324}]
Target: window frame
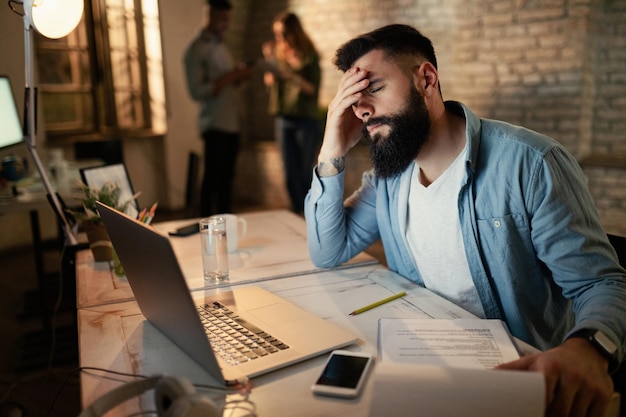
[{"x": 93, "y": 82}]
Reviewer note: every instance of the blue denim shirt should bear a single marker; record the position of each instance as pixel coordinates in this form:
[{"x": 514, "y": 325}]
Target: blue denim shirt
[{"x": 536, "y": 250}]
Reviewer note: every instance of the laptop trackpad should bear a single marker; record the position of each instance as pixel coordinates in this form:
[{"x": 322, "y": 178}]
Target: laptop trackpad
[{"x": 278, "y": 314}]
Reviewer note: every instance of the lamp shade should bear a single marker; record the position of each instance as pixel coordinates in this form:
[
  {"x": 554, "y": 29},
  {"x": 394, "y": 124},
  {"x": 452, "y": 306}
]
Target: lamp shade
[{"x": 54, "y": 18}]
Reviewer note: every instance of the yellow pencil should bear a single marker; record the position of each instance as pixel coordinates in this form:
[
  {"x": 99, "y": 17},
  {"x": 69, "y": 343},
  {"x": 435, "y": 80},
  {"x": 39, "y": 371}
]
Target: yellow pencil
[{"x": 378, "y": 303}]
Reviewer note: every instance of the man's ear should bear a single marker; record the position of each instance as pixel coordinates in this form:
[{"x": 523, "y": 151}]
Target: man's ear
[{"x": 427, "y": 79}]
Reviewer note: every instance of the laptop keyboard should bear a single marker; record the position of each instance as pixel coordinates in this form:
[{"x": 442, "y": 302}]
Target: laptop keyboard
[{"x": 234, "y": 339}]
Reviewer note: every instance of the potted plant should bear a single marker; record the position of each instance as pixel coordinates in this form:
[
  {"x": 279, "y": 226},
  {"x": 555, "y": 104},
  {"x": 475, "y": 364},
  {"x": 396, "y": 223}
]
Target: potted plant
[{"x": 90, "y": 220}]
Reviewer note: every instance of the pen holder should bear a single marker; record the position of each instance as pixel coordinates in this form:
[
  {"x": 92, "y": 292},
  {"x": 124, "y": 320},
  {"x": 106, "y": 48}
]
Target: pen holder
[{"x": 99, "y": 241}]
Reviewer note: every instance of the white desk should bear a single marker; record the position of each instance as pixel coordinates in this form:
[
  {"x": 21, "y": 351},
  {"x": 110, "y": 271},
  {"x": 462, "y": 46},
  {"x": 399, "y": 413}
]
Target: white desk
[
  {"x": 274, "y": 247},
  {"x": 117, "y": 337},
  {"x": 32, "y": 201}
]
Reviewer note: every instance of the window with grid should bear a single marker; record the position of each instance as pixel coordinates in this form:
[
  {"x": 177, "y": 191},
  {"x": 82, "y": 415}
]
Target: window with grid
[{"x": 105, "y": 79}]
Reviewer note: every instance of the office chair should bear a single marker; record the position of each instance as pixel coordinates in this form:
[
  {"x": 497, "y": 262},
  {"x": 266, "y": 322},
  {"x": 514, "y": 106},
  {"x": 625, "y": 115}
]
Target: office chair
[
  {"x": 619, "y": 378},
  {"x": 191, "y": 190},
  {"x": 619, "y": 244}
]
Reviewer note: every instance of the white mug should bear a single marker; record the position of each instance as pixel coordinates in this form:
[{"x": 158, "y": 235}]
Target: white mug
[{"x": 236, "y": 228}]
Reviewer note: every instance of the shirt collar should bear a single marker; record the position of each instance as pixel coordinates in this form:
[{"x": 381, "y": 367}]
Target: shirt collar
[{"x": 472, "y": 129}]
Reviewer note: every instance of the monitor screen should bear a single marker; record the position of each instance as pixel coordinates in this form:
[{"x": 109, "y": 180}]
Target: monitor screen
[
  {"x": 96, "y": 177},
  {"x": 10, "y": 126}
]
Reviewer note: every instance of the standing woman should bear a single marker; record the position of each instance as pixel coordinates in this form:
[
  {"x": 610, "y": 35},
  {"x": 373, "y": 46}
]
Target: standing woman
[{"x": 294, "y": 88}]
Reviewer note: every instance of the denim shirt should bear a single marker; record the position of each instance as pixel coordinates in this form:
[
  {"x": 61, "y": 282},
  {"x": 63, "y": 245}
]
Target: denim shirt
[{"x": 536, "y": 250}]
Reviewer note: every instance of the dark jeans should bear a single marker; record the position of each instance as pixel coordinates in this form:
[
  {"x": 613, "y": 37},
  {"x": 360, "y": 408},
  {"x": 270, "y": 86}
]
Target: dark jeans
[
  {"x": 299, "y": 141},
  {"x": 220, "y": 156}
]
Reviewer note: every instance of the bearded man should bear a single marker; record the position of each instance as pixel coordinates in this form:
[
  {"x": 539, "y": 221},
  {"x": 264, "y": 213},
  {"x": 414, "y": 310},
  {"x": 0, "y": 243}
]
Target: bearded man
[{"x": 494, "y": 217}]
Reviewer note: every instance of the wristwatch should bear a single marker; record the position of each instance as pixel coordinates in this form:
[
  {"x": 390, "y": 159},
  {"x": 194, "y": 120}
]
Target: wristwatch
[{"x": 601, "y": 343}]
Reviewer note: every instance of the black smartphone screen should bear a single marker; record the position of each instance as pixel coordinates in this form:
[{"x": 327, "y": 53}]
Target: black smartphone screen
[{"x": 343, "y": 371}]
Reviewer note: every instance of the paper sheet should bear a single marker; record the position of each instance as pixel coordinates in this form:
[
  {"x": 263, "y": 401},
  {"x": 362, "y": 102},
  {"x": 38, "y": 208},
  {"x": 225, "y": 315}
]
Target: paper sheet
[
  {"x": 460, "y": 343},
  {"x": 402, "y": 390}
]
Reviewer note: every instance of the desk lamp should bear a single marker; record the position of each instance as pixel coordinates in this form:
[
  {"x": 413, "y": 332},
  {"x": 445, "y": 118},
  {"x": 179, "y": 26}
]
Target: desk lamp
[{"x": 53, "y": 19}]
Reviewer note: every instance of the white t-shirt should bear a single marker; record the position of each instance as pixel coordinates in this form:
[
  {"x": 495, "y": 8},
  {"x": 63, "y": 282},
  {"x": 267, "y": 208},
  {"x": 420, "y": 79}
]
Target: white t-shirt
[{"x": 434, "y": 235}]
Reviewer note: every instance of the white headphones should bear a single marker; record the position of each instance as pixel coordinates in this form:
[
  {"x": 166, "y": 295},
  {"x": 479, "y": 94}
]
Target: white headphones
[{"x": 174, "y": 397}]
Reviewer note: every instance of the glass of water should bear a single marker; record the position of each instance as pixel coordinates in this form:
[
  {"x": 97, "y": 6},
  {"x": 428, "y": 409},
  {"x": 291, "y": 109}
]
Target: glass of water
[{"x": 214, "y": 249}]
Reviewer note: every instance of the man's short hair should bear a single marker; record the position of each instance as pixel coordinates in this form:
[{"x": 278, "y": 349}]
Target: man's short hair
[
  {"x": 394, "y": 40},
  {"x": 220, "y": 4}
]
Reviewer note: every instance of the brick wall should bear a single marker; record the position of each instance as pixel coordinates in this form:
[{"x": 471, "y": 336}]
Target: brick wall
[
  {"x": 603, "y": 143},
  {"x": 555, "y": 66},
  {"x": 607, "y": 182}
]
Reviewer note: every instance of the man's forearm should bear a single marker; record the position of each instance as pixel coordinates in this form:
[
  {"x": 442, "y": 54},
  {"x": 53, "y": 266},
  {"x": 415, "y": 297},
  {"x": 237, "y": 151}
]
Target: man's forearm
[{"x": 330, "y": 167}]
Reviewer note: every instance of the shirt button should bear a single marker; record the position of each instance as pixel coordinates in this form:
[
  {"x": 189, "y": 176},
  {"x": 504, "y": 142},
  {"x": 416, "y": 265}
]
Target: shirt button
[{"x": 496, "y": 223}]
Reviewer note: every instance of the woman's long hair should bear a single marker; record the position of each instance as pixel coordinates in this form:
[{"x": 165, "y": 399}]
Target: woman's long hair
[{"x": 295, "y": 35}]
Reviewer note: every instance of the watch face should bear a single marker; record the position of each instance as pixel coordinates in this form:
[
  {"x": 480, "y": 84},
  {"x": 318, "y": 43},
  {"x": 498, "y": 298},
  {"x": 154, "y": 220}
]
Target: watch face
[{"x": 605, "y": 342}]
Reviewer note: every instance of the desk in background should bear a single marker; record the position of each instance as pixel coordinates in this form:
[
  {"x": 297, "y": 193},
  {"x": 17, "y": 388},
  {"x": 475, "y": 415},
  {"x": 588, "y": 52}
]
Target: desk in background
[
  {"x": 31, "y": 200},
  {"x": 275, "y": 246},
  {"x": 117, "y": 337}
]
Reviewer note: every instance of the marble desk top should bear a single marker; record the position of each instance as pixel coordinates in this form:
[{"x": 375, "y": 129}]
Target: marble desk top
[
  {"x": 274, "y": 247},
  {"x": 117, "y": 337}
]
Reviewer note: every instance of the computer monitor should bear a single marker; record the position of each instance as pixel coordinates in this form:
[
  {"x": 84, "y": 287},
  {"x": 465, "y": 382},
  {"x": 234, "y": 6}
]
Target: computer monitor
[
  {"x": 11, "y": 133},
  {"x": 97, "y": 176}
]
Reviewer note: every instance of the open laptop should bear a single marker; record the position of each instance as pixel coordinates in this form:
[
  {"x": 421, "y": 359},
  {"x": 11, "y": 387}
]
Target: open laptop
[{"x": 164, "y": 298}]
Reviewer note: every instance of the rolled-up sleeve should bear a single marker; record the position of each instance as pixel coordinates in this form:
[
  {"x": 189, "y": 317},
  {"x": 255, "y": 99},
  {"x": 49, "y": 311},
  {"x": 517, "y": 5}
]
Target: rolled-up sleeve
[{"x": 337, "y": 232}]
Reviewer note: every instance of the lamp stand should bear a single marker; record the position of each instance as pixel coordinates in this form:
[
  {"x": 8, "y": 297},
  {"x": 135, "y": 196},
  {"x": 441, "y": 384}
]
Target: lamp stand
[{"x": 30, "y": 136}]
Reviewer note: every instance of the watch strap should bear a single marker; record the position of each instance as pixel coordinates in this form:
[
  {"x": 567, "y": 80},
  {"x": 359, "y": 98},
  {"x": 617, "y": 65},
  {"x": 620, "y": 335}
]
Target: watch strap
[{"x": 601, "y": 343}]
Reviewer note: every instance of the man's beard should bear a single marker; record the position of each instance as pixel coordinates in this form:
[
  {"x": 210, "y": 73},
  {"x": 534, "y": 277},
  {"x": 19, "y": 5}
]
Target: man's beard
[{"x": 408, "y": 132}]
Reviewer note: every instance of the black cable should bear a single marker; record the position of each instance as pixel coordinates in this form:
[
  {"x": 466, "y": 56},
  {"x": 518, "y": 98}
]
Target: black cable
[
  {"x": 61, "y": 388},
  {"x": 143, "y": 413},
  {"x": 39, "y": 375},
  {"x": 11, "y": 3},
  {"x": 55, "y": 310},
  {"x": 243, "y": 404},
  {"x": 236, "y": 388},
  {"x": 110, "y": 371}
]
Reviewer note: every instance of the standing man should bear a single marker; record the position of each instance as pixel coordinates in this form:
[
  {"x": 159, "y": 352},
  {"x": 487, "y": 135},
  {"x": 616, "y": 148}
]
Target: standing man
[
  {"x": 211, "y": 79},
  {"x": 493, "y": 217}
]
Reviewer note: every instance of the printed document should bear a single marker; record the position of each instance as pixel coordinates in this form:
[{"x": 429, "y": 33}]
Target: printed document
[
  {"x": 457, "y": 343},
  {"x": 444, "y": 368}
]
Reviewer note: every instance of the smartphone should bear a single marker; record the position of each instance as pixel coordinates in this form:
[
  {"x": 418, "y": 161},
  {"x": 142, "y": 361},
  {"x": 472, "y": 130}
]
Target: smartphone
[
  {"x": 186, "y": 230},
  {"x": 344, "y": 374}
]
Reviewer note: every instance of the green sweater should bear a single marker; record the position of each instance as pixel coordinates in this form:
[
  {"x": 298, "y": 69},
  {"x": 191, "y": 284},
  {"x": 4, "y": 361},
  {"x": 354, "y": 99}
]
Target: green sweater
[{"x": 286, "y": 97}]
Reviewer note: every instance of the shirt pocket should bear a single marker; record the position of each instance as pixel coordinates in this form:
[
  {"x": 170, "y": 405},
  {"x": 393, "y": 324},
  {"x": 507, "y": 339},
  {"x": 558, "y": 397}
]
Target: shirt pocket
[{"x": 505, "y": 240}]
